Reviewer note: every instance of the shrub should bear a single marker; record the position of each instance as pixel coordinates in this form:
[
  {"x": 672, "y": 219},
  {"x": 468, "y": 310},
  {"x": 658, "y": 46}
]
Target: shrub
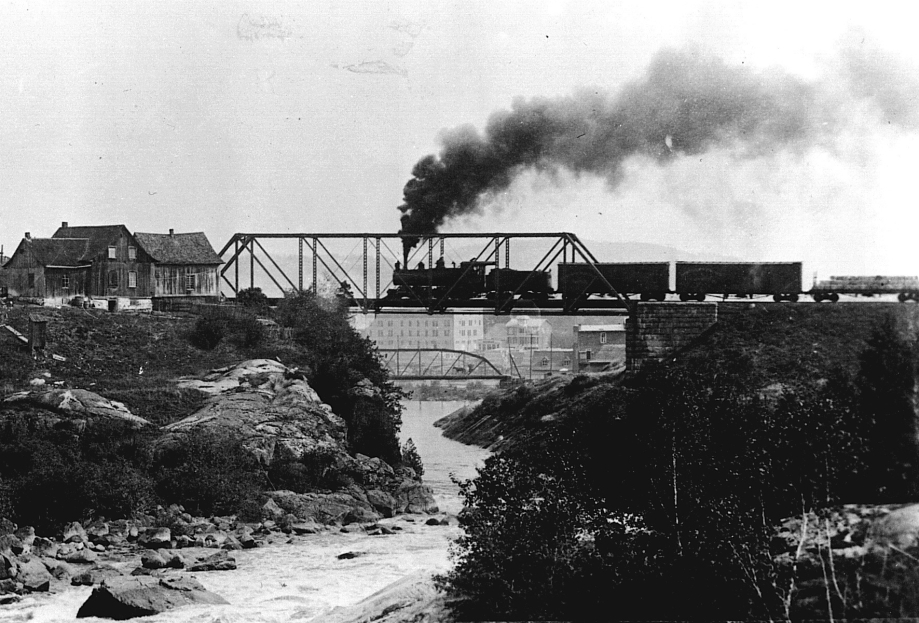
[
  {"x": 310, "y": 472},
  {"x": 59, "y": 474},
  {"x": 411, "y": 458},
  {"x": 209, "y": 473},
  {"x": 208, "y": 331},
  {"x": 247, "y": 331},
  {"x": 253, "y": 298}
]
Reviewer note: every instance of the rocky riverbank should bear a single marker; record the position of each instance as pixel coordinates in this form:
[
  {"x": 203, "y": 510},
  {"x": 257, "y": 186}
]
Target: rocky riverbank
[{"x": 277, "y": 415}]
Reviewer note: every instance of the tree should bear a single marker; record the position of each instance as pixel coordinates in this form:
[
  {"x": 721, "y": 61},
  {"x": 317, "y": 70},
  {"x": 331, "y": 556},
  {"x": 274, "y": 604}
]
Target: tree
[{"x": 886, "y": 385}]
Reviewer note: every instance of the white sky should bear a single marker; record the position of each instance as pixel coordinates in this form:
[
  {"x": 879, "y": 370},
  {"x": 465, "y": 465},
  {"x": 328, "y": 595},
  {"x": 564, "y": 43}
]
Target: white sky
[{"x": 308, "y": 116}]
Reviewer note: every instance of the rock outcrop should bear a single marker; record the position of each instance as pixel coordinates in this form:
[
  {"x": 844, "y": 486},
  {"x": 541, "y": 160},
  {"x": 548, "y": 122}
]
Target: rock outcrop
[
  {"x": 275, "y": 412},
  {"x": 137, "y": 596},
  {"x": 75, "y": 404},
  {"x": 279, "y": 416}
]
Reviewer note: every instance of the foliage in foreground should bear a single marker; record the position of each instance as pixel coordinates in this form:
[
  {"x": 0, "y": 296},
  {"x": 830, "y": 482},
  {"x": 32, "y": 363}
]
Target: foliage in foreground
[{"x": 671, "y": 488}]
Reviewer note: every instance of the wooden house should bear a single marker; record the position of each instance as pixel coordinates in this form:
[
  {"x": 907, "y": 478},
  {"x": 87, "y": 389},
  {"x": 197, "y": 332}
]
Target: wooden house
[
  {"x": 184, "y": 266},
  {"x": 50, "y": 269},
  {"x": 119, "y": 267}
]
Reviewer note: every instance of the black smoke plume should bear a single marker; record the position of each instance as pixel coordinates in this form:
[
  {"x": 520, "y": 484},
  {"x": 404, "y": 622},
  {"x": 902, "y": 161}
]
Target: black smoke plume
[{"x": 686, "y": 103}]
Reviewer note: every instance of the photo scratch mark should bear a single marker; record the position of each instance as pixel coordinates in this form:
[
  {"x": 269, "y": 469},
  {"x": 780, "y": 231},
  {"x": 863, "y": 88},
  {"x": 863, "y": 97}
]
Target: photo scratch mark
[
  {"x": 402, "y": 48},
  {"x": 255, "y": 27},
  {"x": 373, "y": 67},
  {"x": 408, "y": 27}
]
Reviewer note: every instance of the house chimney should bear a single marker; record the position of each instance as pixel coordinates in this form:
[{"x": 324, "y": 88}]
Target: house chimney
[
  {"x": 28, "y": 236},
  {"x": 64, "y": 224},
  {"x": 172, "y": 233}
]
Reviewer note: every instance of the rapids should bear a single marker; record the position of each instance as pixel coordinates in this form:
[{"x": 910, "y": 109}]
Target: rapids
[{"x": 301, "y": 578}]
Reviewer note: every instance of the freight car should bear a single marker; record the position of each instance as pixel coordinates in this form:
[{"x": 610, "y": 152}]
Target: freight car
[
  {"x": 906, "y": 288},
  {"x": 523, "y": 283},
  {"x": 649, "y": 280},
  {"x": 782, "y": 280}
]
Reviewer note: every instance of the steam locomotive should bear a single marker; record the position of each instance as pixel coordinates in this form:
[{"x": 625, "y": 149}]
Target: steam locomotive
[{"x": 648, "y": 281}]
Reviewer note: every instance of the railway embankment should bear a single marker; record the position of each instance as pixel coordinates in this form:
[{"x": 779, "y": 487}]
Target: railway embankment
[
  {"x": 785, "y": 345},
  {"x": 768, "y": 469}
]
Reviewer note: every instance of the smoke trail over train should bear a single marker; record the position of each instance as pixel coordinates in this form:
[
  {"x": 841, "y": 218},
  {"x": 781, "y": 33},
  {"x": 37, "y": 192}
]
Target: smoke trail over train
[{"x": 686, "y": 103}]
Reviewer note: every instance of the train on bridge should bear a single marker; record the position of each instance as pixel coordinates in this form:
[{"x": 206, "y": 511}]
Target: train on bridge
[{"x": 648, "y": 281}]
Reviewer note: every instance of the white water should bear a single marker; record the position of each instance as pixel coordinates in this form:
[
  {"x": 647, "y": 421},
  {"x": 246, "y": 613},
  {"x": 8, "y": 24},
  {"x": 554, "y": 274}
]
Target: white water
[{"x": 301, "y": 580}]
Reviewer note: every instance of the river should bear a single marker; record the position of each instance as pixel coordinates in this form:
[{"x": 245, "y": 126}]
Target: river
[{"x": 302, "y": 579}]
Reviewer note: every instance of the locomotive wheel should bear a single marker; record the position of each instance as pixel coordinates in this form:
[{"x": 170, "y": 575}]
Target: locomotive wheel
[
  {"x": 685, "y": 297},
  {"x": 700, "y": 297},
  {"x": 778, "y": 298},
  {"x": 817, "y": 297},
  {"x": 903, "y": 297},
  {"x": 660, "y": 296},
  {"x": 647, "y": 297},
  {"x": 834, "y": 298}
]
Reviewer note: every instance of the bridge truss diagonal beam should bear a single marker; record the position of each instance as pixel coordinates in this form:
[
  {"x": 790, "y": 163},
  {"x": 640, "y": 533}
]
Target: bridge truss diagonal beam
[{"x": 364, "y": 274}]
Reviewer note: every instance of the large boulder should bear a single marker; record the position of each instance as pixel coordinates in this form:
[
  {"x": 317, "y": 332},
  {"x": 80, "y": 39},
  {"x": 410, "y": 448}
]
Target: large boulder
[
  {"x": 276, "y": 413},
  {"x": 326, "y": 508},
  {"x": 137, "y": 596},
  {"x": 33, "y": 575},
  {"x": 415, "y": 497},
  {"x": 75, "y": 404}
]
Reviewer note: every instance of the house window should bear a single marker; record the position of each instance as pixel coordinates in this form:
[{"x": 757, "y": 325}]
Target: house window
[
  {"x": 587, "y": 355},
  {"x": 132, "y": 253},
  {"x": 113, "y": 279},
  {"x": 31, "y": 280},
  {"x": 132, "y": 279},
  {"x": 603, "y": 337},
  {"x": 112, "y": 253},
  {"x": 544, "y": 361},
  {"x": 190, "y": 282},
  {"x": 65, "y": 281},
  {"x": 567, "y": 362}
]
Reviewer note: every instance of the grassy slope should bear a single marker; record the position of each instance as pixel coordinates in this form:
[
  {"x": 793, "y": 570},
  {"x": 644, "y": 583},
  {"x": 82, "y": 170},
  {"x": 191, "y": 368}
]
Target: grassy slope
[
  {"x": 133, "y": 358},
  {"x": 787, "y": 344}
]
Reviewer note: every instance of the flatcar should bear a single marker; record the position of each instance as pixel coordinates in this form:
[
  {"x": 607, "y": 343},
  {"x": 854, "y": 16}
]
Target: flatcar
[
  {"x": 649, "y": 280},
  {"x": 782, "y": 280},
  {"x": 906, "y": 288}
]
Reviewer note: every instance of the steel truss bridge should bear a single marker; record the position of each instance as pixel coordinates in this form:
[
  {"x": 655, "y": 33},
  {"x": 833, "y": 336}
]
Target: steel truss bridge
[
  {"x": 426, "y": 364},
  {"x": 361, "y": 266}
]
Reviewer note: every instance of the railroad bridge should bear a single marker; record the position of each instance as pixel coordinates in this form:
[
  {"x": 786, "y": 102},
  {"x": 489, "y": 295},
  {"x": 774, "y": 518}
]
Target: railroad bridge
[{"x": 499, "y": 273}]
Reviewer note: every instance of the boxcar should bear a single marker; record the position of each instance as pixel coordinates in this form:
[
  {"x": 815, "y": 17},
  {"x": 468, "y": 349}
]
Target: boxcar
[
  {"x": 780, "y": 279},
  {"x": 523, "y": 282},
  {"x": 651, "y": 280}
]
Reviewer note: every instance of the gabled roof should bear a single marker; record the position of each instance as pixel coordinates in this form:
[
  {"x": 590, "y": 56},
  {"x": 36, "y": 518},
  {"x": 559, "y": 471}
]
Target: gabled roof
[
  {"x": 58, "y": 251},
  {"x": 98, "y": 237},
  {"x": 191, "y": 248}
]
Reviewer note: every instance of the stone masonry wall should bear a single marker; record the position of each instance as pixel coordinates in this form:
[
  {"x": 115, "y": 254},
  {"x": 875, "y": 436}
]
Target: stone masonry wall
[{"x": 655, "y": 330}]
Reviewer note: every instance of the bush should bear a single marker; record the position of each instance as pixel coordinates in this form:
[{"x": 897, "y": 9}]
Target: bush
[
  {"x": 59, "y": 474},
  {"x": 208, "y": 331},
  {"x": 312, "y": 471},
  {"x": 247, "y": 331},
  {"x": 253, "y": 298},
  {"x": 209, "y": 473}
]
